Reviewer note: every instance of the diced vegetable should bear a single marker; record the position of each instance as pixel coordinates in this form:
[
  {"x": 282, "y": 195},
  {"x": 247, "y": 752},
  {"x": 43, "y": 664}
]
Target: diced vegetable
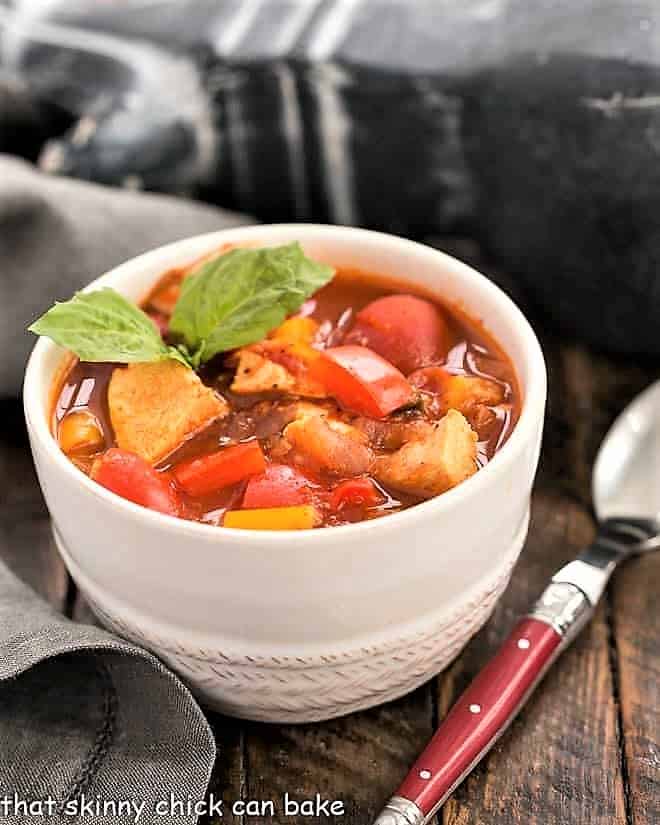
[
  {"x": 133, "y": 478},
  {"x": 408, "y": 331},
  {"x": 297, "y": 330},
  {"x": 355, "y": 491},
  {"x": 80, "y": 433},
  {"x": 296, "y": 357},
  {"x": 279, "y": 486},
  {"x": 458, "y": 392},
  {"x": 466, "y": 391},
  {"x": 302, "y": 517},
  {"x": 362, "y": 381},
  {"x": 205, "y": 475}
]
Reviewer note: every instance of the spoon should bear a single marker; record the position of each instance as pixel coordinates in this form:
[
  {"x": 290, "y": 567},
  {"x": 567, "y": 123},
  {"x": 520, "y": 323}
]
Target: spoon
[{"x": 626, "y": 494}]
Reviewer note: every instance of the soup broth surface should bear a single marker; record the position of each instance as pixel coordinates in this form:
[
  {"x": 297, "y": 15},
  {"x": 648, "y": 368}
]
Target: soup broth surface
[{"x": 264, "y": 416}]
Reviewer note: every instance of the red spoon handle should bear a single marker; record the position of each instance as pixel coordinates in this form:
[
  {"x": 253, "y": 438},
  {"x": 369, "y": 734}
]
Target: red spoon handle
[
  {"x": 490, "y": 703},
  {"x": 481, "y": 714}
]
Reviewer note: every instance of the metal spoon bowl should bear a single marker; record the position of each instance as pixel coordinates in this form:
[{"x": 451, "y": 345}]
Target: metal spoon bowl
[{"x": 626, "y": 477}]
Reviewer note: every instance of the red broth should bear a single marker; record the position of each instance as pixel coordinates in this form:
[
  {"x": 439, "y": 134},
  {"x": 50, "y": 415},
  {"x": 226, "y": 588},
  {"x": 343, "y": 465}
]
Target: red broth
[{"x": 470, "y": 352}]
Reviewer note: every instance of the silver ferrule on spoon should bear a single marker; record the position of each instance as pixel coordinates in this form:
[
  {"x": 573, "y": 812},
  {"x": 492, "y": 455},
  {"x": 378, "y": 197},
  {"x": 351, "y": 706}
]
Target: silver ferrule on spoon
[{"x": 489, "y": 705}]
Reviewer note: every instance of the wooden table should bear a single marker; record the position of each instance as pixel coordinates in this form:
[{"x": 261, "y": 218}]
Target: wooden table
[{"x": 586, "y": 749}]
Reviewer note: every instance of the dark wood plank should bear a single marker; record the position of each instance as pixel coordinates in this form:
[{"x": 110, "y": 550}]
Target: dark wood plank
[
  {"x": 358, "y": 759},
  {"x": 596, "y": 389},
  {"x": 26, "y": 545},
  {"x": 632, "y": 599},
  {"x": 636, "y": 633}
]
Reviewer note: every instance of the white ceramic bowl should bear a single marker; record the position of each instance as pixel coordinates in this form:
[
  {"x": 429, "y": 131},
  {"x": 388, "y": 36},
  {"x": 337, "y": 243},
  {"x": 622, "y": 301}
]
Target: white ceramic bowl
[{"x": 301, "y": 626}]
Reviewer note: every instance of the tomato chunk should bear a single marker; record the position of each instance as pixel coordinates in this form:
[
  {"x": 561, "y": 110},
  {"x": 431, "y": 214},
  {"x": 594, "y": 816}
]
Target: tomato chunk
[
  {"x": 209, "y": 473},
  {"x": 359, "y": 491},
  {"x": 408, "y": 331},
  {"x": 279, "y": 486},
  {"x": 133, "y": 478},
  {"x": 362, "y": 381}
]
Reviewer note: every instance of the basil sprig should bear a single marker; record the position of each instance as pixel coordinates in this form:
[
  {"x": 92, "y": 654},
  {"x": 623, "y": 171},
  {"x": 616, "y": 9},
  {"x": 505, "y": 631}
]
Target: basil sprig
[
  {"x": 239, "y": 297},
  {"x": 104, "y": 326},
  {"x": 231, "y": 301}
]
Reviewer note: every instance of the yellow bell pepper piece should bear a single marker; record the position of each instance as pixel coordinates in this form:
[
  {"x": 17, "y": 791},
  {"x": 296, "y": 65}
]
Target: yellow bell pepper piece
[
  {"x": 304, "y": 352},
  {"x": 300, "y": 517},
  {"x": 296, "y": 330},
  {"x": 80, "y": 432}
]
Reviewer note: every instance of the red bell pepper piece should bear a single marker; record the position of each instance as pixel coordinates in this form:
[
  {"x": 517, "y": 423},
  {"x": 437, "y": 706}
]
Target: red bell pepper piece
[
  {"x": 408, "y": 331},
  {"x": 209, "y": 473},
  {"x": 358, "y": 491},
  {"x": 279, "y": 486},
  {"x": 131, "y": 477},
  {"x": 361, "y": 380}
]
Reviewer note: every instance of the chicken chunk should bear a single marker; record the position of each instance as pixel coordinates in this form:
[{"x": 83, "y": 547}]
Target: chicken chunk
[
  {"x": 324, "y": 444},
  {"x": 439, "y": 457},
  {"x": 155, "y": 407},
  {"x": 275, "y": 365},
  {"x": 305, "y": 409},
  {"x": 255, "y": 373}
]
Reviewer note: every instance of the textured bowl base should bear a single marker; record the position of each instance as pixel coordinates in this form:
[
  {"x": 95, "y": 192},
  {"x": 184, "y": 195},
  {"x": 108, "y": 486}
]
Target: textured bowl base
[{"x": 309, "y": 688}]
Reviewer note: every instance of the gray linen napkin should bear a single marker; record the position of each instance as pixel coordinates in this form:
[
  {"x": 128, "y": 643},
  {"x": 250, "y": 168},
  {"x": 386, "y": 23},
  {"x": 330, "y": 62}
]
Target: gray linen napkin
[
  {"x": 86, "y": 719},
  {"x": 58, "y": 234}
]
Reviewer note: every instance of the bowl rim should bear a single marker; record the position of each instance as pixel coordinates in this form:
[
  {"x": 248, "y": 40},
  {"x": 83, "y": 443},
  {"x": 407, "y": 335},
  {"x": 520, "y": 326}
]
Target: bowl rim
[{"x": 523, "y": 434}]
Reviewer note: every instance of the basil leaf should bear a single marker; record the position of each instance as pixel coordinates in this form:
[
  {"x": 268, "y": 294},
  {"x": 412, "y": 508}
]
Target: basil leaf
[
  {"x": 238, "y": 298},
  {"x": 104, "y": 326},
  {"x": 233, "y": 300},
  {"x": 246, "y": 324}
]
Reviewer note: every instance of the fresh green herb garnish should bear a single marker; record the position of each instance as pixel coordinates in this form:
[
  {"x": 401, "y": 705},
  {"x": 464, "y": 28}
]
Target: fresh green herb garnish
[
  {"x": 239, "y": 297},
  {"x": 104, "y": 326},
  {"x": 233, "y": 300}
]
